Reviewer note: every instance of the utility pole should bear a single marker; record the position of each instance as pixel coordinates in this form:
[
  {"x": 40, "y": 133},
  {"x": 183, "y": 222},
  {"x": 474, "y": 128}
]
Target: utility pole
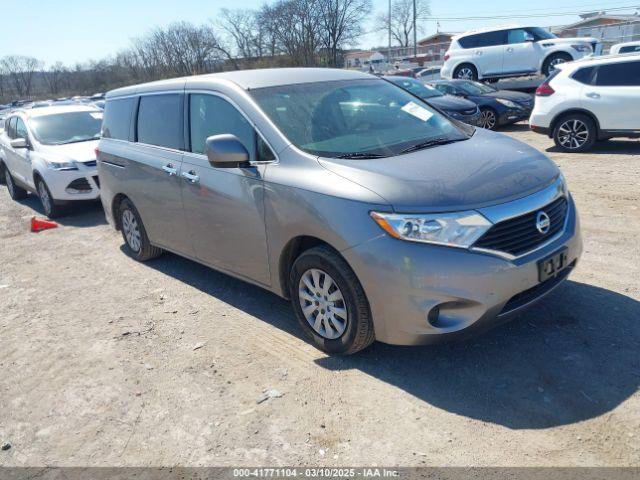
[
  {"x": 415, "y": 33},
  {"x": 389, "y": 50}
]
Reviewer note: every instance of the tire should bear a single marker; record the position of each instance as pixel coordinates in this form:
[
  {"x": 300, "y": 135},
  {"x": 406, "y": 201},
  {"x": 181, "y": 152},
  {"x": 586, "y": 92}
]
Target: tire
[
  {"x": 15, "y": 192},
  {"x": 466, "y": 71},
  {"x": 349, "y": 331},
  {"x": 554, "y": 59},
  {"x": 575, "y": 132},
  {"x": 49, "y": 205},
  {"x": 136, "y": 241},
  {"x": 2, "y": 179},
  {"x": 488, "y": 119}
]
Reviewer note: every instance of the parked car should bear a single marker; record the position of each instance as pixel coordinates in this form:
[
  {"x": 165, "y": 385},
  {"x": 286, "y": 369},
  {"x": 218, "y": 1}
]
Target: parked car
[
  {"x": 627, "y": 47},
  {"x": 512, "y": 52},
  {"x": 51, "y": 152},
  {"x": 429, "y": 74},
  {"x": 497, "y": 107},
  {"x": 458, "y": 108},
  {"x": 583, "y": 102},
  {"x": 379, "y": 217}
]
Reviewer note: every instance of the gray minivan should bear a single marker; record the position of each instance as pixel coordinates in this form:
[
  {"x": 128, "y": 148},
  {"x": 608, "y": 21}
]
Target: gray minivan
[{"x": 379, "y": 217}]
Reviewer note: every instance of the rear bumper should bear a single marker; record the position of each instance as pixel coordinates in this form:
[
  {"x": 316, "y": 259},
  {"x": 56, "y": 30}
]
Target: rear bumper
[{"x": 469, "y": 291}]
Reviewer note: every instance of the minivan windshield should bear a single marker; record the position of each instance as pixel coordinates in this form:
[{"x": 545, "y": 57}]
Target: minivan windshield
[
  {"x": 64, "y": 128},
  {"x": 356, "y": 119}
]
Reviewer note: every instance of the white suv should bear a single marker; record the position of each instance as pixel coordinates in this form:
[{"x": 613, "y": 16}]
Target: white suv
[
  {"x": 51, "y": 152},
  {"x": 512, "y": 52},
  {"x": 589, "y": 100}
]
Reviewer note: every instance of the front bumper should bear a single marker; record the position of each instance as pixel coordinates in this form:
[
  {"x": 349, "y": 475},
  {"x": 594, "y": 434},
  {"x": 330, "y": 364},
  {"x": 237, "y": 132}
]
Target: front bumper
[
  {"x": 473, "y": 119},
  {"x": 470, "y": 291},
  {"x": 513, "y": 115},
  {"x": 72, "y": 185}
]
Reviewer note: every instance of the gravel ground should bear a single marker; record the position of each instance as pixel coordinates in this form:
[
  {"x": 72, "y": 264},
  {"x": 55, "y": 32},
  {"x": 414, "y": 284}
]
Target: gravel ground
[{"x": 109, "y": 362}]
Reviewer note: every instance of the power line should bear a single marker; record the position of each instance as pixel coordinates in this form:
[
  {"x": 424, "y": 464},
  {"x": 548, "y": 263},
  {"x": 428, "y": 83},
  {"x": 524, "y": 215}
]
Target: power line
[
  {"x": 546, "y": 9},
  {"x": 512, "y": 16}
]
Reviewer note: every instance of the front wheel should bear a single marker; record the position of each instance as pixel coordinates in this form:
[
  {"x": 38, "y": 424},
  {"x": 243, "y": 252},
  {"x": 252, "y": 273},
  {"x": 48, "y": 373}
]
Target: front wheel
[
  {"x": 488, "y": 119},
  {"x": 554, "y": 60},
  {"x": 51, "y": 209},
  {"x": 15, "y": 192},
  {"x": 575, "y": 133},
  {"x": 330, "y": 303}
]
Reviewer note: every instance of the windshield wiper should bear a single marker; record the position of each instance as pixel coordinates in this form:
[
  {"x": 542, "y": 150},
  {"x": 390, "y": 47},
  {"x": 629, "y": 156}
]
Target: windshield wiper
[
  {"x": 360, "y": 155},
  {"x": 431, "y": 143}
]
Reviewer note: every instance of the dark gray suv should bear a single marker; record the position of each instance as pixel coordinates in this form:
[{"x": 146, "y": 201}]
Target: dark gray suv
[{"x": 376, "y": 215}]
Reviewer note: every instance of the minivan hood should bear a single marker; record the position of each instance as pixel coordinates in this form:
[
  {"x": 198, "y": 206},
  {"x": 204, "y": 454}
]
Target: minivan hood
[
  {"x": 488, "y": 169},
  {"x": 76, "y": 152}
]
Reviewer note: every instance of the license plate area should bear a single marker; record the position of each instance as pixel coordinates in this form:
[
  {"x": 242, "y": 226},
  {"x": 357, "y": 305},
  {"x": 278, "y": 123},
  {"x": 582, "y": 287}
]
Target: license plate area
[{"x": 552, "y": 265}]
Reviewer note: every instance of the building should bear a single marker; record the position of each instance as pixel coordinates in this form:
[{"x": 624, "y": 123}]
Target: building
[
  {"x": 609, "y": 29},
  {"x": 363, "y": 59},
  {"x": 433, "y": 47}
]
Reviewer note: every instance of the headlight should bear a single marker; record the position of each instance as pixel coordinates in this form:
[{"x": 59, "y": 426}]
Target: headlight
[
  {"x": 63, "y": 165},
  {"x": 581, "y": 48},
  {"x": 460, "y": 229},
  {"x": 507, "y": 103}
]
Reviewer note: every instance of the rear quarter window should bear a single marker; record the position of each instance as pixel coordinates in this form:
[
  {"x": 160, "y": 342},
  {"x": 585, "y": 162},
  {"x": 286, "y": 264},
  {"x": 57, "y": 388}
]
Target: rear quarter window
[
  {"x": 117, "y": 119},
  {"x": 583, "y": 75}
]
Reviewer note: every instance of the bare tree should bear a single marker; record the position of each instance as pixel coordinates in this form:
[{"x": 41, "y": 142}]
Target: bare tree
[
  {"x": 21, "y": 71},
  {"x": 341, "y": 24},
  {"x": 53, "y": 77},
  {"x": 245, "y": 31},
  {"x": 402, "y": 19}
]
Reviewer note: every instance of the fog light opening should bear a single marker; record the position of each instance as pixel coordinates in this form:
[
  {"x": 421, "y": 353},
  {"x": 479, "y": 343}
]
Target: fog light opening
[{"x": 433, "y": 316}]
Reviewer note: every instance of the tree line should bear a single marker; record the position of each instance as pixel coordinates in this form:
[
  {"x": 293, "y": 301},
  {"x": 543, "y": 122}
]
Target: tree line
[{"x": 304, "y": 33}]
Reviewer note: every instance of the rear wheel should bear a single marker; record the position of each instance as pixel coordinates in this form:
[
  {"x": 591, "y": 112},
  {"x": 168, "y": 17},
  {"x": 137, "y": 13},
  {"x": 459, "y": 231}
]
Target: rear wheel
[
  {"x": 575, "y": 133},
  {"x": 137, "y": 244},
  {"x": 15, "y": 192},
  {"x": 2, "y": 179},
  {"x": 553, "y": 60},
  {"x": 329, "y": 302},
  {"x": 51, "y": 209},
  {"x": 488, "y": 119},
  {"x": 466, "y": 71}
]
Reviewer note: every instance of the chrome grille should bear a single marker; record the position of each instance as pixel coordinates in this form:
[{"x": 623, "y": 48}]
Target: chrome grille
[{"x": 519, "y": 235}]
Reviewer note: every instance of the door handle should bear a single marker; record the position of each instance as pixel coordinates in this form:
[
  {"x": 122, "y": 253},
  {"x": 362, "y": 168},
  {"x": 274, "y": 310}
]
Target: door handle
[
  {"x": 170, "y": 169},
  {"x": 478, "y": 52},
  {"x": 510, "y": 49},
  {"x": 593, "y": 95},
  {"x": 191, "y": 177}
]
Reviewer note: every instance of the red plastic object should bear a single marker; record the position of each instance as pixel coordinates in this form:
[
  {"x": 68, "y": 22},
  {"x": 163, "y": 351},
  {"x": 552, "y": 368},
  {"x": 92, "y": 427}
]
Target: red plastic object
[{"x": 38, "y": 224}]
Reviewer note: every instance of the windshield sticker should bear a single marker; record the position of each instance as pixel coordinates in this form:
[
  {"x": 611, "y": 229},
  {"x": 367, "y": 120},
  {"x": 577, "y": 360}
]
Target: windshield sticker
[
  {"x": 417, "y": 111},
  {"x": 97, "y": 115}
]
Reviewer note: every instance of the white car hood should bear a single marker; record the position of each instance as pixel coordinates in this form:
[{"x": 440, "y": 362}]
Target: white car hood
[
  {"x": 569, "y": 41},
  {"x": 76, "y": 152}
]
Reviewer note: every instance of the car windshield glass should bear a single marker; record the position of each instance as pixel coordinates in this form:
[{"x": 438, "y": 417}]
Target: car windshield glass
[
  {"x": 416, "y": 87},
  {"x": 541, "y": 33},
  {"x": 354, "y": 118},
  {"x": 475, "y": 88},
  {"x": 63, "y": 128}
]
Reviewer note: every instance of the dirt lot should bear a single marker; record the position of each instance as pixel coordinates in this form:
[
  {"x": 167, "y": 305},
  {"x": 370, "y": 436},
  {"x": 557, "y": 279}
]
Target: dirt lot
[{"x": 99, "y": 362}]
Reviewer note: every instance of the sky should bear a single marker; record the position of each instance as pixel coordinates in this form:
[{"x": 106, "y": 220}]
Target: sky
[{"x": 75, "y": 31}]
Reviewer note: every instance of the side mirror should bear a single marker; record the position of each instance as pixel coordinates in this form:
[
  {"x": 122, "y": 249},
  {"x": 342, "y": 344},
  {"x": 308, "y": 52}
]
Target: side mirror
[
  {"x": 529, "y": 38},
  {"x": 19, "y": 143},
  {"x": 226, "y": 151}
]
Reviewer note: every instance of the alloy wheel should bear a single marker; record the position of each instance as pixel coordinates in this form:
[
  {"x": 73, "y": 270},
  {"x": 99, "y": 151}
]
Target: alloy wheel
[
  {"x": 45, "y": 199},
  {"x": 573, "y": 134},
  {"x": 556, "y": 61},
  {"x": 487, "y": 119},
  {"x": 465, "y": 73},
  {"x": 322, "y": 304},
  {"x": 131, "y": 230}
]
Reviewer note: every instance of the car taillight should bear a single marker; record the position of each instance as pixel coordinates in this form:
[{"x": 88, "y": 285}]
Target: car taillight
[
  {"x": 544, "y": 90},
  {"x": 446, "y": 57}
]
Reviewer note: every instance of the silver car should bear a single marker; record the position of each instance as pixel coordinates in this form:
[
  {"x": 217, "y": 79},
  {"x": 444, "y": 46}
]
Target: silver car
[{"x": 378, "y": 217}]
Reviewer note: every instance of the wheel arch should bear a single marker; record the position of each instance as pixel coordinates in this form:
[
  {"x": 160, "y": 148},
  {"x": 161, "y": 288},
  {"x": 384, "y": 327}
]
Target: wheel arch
[
  {"x": 291, "y": 251},
  {"x": 115, "y": 206},
  {"x": 551, "y": 54},
  {"x": 465, "y": 62}
]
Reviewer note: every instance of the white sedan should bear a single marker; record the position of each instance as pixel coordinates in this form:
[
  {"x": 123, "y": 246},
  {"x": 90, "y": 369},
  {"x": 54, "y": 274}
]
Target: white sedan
[{"x": 51, "y": 152}]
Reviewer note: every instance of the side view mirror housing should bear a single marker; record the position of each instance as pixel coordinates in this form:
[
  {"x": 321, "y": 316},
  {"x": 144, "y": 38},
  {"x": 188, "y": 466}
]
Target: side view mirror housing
[
  {"x": 529, "y": 38},
  {"x": 226, "y": 151},
  {"x": 19, "y": 143}
]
